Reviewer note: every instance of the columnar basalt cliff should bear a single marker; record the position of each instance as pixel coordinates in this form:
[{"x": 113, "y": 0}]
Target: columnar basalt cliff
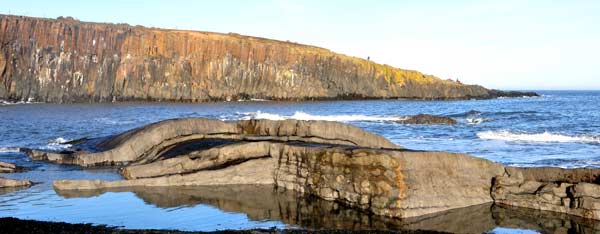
[{"x": 65, "y": 60}]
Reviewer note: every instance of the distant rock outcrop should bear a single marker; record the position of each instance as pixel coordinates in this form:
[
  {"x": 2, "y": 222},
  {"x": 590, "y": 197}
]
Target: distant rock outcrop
[
  {"x": 65, "y": 60},
  {"x": 427, "y": 119}
]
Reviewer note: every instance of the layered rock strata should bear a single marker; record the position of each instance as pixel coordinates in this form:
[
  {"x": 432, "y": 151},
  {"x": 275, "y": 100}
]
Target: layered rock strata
[
  {"x": 65, "y": 60},
  {"x": 571, "y": 191},
  {"x": 329, "y": 160}
]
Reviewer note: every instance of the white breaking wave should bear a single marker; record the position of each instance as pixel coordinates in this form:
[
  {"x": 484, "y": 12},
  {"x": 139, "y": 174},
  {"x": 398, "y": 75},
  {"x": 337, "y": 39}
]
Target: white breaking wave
[
  {"x": 505, "y": 135},
  {"x": 305, "y": 116},
  {"x": 9, "y": 150},
  {"x": 475, "y": 120},
  {"x": 109, "y": 121},
  {"x": 6, "y": 103},
  {"x": 57, "y": 144}
]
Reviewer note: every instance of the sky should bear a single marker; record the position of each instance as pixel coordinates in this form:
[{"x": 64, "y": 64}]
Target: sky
[{"x": 504, "y": 44}]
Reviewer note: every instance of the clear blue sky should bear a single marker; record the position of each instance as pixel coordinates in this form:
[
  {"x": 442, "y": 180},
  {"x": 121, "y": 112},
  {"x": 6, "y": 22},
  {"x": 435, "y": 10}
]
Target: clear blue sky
[{"x": 507, "y": 44}]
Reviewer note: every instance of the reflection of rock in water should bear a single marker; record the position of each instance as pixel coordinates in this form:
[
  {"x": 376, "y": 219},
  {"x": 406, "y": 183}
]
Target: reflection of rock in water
[
  {"x": 263, "y": 202},
  {"x": 544, "y": 221},
  {"x": 266, "y": 203},
  {"x": 5, "y": 190}
]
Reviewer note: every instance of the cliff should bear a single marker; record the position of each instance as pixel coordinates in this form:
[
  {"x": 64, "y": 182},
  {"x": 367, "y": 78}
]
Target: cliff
[{"x": 65, "y": 60}]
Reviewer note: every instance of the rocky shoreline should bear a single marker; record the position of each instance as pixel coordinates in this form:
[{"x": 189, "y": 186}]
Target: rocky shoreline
[{"x": 329, "y": 160}]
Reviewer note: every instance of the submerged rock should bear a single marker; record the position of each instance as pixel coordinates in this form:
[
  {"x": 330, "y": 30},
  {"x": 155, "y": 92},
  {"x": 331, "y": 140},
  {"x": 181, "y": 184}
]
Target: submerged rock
[
  {"x": 65, "y": 60},
  {"x": 427, "y": 119}
]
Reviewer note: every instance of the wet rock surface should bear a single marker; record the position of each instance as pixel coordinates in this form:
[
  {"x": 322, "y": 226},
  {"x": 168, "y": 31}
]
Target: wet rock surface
[
  {"x": 65, "y": 60},
  {"x": 427, "y": 119}
]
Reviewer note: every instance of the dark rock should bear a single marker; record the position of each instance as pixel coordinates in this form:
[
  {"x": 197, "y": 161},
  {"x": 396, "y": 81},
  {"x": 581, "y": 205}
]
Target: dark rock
[
  {"x": 494, "y": 93},
  {"x": 427, "y": 119}
]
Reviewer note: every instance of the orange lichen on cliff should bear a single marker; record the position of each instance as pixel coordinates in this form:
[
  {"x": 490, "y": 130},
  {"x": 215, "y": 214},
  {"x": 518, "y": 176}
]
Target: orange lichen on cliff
[{"x": 67, "y": 60}]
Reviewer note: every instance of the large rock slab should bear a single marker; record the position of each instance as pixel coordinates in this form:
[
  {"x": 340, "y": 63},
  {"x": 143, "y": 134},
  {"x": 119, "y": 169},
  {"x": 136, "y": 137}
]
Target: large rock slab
[
  {"x": 148, "y": 143},
  {"x": 391, "y": 182}
]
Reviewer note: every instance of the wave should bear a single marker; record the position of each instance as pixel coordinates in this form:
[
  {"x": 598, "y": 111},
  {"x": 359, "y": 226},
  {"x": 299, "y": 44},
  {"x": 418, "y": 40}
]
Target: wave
[
  {"x": 57, "y": 144},
  {"x": 253, "y": 100},
  {"x": 9, "y": 150},
  {"x": 305, "y": 116},
  {"x": 475, "y": 120},
  {"x": 465, "y": 114},
  {"x": 109, "y": 121},
  {"x": 6, "y": 103},
  {"x": 505, "y": 135}
]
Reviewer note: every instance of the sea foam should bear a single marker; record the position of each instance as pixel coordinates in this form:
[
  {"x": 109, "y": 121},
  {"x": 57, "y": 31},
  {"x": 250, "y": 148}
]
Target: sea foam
[
  {"x": 57, "y": 144},
  {"x": 298, "y": 115},
  {"x": 505, "y": 135}
]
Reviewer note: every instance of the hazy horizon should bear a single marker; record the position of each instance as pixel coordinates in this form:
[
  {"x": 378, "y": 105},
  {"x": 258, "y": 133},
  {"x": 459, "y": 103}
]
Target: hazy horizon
[{"x": 513, "y": 45}]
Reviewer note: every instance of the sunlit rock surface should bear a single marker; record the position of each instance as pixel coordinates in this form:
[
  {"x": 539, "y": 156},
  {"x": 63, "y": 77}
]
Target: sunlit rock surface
[
  {"x": 10, "y": 183},
  {"x": 571, "y": 191},
  {"x": 330, "y": 160},
  {"x": 65, "y": 60}
]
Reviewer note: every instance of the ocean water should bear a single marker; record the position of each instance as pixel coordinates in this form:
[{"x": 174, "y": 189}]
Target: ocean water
[{"x": 560, "y": 128}]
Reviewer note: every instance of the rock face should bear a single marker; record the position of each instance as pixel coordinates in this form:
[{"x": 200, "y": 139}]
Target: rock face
[
  {"x": 552, "y": 189},
  {"x": 65, "y": 60},
  {"x": 427, "y": 119},
  {"x": 330, "y": 160}
]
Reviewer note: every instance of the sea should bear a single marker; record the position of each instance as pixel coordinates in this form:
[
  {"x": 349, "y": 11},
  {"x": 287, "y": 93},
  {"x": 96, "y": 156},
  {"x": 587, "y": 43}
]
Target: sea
[{"x": 558, "y": 128}]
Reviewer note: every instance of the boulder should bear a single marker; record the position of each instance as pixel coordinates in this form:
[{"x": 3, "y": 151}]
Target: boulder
[
  {"x": 8, "y": 167},
  {"x": 9, "y": 183},
  {"x": 427, "y": 119}
]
